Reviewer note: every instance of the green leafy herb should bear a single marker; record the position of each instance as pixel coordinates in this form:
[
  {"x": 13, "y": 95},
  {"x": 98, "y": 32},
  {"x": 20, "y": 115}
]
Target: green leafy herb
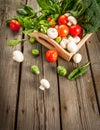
[
  {"x": 78, "y": 72},
  {"x": 87, "y": 13},
  {"x": 14, "y": 42},
  {"x": 22, "y": 12}
]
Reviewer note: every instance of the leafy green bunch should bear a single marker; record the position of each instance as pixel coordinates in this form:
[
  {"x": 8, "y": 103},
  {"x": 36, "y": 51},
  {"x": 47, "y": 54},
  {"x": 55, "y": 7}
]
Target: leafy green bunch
[{"x": 87, "y": 13}]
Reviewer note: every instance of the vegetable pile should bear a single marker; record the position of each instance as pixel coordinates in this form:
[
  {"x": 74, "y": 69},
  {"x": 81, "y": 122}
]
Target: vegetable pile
[{"x": 65, "y": 21}]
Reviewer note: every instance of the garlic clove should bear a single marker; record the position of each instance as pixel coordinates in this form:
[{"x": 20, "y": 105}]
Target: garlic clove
[
  {"x": 18, "y": 56},
  {"x": 77, "y": 58}
]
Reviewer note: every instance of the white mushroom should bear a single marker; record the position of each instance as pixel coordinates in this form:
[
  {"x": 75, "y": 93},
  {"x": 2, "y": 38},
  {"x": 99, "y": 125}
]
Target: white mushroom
[
  {"x": 77, "y": 39},
  {"x": 64, "y": 43},
  {"x": 44, "y": 84},
  {"x": 72, "y": 47},
  {"x": 71, "y": 39},
  {"x": 72, "y": 20},
  {"x": 52, "y": 33},
  {"x": 69, "y": 23},
  {"x": 67, "y": 14},
  {"x": 18, "y": 56},
  {"x": 77, "y": 58}
]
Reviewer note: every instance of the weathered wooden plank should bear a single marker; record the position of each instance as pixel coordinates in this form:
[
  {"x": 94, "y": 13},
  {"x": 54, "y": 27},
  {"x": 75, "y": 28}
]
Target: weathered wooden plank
[
  {"x": 38, "y": 110},
  {"x": 93, "y": 47},
  {"x": 89, "y": 107},
  {"x": 79, "y": 109},
  {"x": 70, "y": 107},
  {"x": 9, "y": 70}
]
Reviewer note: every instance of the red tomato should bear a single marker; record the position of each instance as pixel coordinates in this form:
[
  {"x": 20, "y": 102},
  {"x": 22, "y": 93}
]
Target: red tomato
[
  {"x": 51, "y": 55},
  {"x": 14, "y": 25},
  {"x": 63, "y": 20},
  {"x": 63, "y": 30},
  {"x": 49, "y": 19},
  {"x": 75, "y": 30}
]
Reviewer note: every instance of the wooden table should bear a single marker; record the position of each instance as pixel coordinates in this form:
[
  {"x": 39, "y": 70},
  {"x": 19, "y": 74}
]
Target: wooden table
[{"x": 67, "y": 105}]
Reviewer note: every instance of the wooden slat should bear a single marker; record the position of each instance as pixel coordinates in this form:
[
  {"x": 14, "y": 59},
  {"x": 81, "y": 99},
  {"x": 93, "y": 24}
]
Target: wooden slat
[
  {"x": 79, "y": 108},
  {"x": 70, "y": 107},
  {"x": 9, "y": 70},
  {"x": 88, "y": 102},
  {"x": 38, "y": 110},
  {"x": 93, "y": 47}
]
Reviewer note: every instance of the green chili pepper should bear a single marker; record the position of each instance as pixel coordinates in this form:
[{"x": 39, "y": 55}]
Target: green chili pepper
[
  {"x": 78, "y": 72},
  {"x": 61, "y": 70},
  {"x": 35, "y": 52},
  {"x": 31, "y": 39},
  {"x": 35, "y": 69}
]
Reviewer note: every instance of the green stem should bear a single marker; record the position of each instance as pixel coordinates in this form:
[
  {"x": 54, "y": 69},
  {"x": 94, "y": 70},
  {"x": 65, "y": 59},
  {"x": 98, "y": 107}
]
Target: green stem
[{"x": 86, "y": 64}]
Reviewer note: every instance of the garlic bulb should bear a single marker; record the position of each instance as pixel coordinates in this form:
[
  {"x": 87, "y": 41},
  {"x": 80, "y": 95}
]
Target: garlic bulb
[
  {"x": 52, "y": 33},
  {"x": 18, "y": 56},
  {"x": 77, "y": 58}
]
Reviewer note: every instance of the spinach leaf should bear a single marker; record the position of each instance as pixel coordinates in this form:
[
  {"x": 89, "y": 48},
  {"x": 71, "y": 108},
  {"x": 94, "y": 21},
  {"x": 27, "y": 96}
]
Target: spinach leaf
[
  {"x": 14, "y": 42},
  {"x": 90, "y": 20},
  {"x": 22, "y": 12}
]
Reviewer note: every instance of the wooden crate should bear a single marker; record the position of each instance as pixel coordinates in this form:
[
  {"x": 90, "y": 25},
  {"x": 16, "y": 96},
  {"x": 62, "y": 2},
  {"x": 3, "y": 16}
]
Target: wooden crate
[{"x": 52, "y": 44}]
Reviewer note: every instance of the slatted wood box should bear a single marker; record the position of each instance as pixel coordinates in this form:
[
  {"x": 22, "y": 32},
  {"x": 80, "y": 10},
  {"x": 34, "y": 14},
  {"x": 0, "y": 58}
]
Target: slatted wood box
[{"x": 52, "y": 44}]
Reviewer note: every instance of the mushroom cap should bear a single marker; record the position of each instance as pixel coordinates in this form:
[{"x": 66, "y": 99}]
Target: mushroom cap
[
  {"x": 52, "y": 33},
  {"x": 77, "y": 58},
  {"x": 45, "y": 83},
  {"x": 71, "y": 46},
  {"x": 18, "y": 56}
]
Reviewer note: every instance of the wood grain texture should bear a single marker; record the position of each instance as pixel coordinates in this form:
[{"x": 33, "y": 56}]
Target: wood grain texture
[
  {"x": 67, "y": 105},
  {"x": 79, "y": 104},
  {"x": 9, "y": 70},
  {"x": 38, "y": 110},
  {"x": 93, "y": 48}
]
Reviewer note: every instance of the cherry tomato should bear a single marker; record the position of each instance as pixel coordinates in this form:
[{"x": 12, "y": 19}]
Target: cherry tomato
[
  {"x": 52, "y": 55},
  {"x": 53, "y": 26},
  {"x": 63, "y": 20},
  {"x": 14, "y": 25},
  {"x": 49, "y": 19},
  {"x": 63, "y": 30},
  {"x": 75, "y": 30}
]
